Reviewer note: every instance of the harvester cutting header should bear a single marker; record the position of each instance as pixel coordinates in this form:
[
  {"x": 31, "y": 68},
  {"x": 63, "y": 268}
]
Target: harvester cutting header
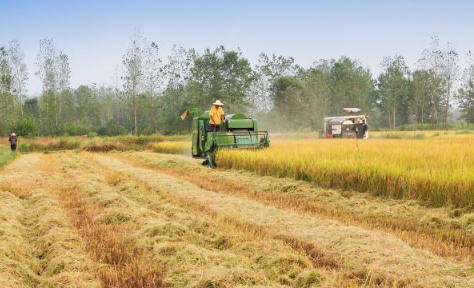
[{"x": 212, "y": 130}]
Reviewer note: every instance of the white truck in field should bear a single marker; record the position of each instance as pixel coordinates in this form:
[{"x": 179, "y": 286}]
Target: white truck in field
[{"x": 354, "y": 125}]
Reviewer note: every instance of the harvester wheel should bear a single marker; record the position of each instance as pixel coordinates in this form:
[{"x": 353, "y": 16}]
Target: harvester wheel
[{"x": 210, "y": 160}]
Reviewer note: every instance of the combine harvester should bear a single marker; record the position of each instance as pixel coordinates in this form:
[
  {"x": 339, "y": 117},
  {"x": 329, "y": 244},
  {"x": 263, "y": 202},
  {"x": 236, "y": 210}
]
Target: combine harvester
[
  {"x": 237, "y": 132},
  {"x": 354, "y": 125}
]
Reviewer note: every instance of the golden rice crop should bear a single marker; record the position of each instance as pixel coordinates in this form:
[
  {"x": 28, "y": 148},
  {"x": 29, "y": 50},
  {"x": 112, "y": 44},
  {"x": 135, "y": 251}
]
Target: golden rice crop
[
  {"x": 436, "y": 171},
  {"x": 93, "y": 144},
  {"x": 172, "y": 147}
]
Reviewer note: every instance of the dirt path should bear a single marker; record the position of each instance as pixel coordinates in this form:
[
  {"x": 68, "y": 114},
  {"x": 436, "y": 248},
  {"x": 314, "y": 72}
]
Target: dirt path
[{"x": 379, "y": 257}]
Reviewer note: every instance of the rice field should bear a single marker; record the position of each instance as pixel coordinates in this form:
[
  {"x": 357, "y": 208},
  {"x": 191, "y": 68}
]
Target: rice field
[
  {"x": 172, "y": 147},
  {"x": 143, "y": 217},
  {"x": 93, "y": 144},
  {"x": 437, "y": 171}
]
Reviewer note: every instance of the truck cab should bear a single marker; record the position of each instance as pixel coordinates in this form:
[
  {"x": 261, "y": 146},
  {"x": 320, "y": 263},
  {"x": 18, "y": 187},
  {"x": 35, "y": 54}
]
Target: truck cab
[{"x": 350, "y": 126}]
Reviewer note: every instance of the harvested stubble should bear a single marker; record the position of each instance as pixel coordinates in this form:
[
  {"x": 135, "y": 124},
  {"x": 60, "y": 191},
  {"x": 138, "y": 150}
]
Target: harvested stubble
[
  {"x": 444, "y": 231},
  {"x": 107, "y": 242},
  {"x": 438, "y": 172},
  {"x": 196, "y": 249},
  {"x": 39, "y": 247},
  {"x": 18, "y": 265},
  {"x": 384, "y": 260},
  {"x": 123, "y": 264}
]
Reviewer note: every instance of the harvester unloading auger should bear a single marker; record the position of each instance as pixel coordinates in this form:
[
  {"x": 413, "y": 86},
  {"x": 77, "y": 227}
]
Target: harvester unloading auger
[{"x": 237, "y": 132}]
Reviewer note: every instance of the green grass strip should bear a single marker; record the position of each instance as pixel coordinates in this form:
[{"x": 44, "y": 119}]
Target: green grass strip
[{"x": 6, "y": 156}]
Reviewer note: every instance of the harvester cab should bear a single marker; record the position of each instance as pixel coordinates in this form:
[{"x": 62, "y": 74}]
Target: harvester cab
[
  {"x": 353, "y": 125},
  {"x": 237, "y": 132}
]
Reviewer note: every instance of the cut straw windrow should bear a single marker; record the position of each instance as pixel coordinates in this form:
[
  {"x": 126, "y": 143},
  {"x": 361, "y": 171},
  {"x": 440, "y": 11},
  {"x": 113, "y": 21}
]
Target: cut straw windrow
[{"x": 382, "y": 258}]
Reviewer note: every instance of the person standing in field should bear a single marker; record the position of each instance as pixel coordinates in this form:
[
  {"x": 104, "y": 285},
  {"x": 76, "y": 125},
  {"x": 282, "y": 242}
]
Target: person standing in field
[
  {"x": 13, "y": 142},
  {"x": 216, "y": 115}
]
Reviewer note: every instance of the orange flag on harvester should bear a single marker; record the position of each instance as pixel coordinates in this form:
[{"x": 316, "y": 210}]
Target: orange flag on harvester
[{"x": 185, "y": 114}]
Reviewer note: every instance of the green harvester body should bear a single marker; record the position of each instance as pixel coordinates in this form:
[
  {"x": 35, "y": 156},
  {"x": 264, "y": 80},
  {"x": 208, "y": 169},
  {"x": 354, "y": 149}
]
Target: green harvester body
[{"x": 237, "y": 132}]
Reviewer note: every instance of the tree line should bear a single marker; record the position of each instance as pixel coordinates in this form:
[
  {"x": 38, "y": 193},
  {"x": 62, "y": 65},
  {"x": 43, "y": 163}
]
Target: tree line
[{"x": 152, "y": 90}]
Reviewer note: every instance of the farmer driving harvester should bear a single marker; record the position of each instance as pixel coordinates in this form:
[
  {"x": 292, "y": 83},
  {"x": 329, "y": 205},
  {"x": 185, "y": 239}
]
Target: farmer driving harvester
[
  {"x": 216, "y": 115},
  {"x": 212, "y": 130}
]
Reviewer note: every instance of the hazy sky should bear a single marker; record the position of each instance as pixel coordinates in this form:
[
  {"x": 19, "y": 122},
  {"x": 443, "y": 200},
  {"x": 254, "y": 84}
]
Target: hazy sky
[{"x": 95, "y": 34}]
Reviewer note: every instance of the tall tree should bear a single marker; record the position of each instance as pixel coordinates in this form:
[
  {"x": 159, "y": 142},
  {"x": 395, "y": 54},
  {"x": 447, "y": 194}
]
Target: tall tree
[
  {"x": 87, "y": 105},
  {"x": 422, "y": 89},
  {"x": 46, "y": 61},
  {"x": 19, "y": 73},
  {"x": 465, "y": 95},
  {"x": 178, "y": 96},
  {"x": 443, "y": 62},
  {"x": 267, "y": 70},
  {"x": 54, "y": 71},
  {"x": 393, "y": 90},
  {"x": 293, "y": 104},
  {"x": 153, "y": 71},
  {"x": 222, "y": 74},
  {"x": 133, "y": 64},
  {"x": 351, "y": 86},
  {"x": 7, "y": 101},
  {"x": 63, "y": 78},
  {"x": 318, "y": 83}
]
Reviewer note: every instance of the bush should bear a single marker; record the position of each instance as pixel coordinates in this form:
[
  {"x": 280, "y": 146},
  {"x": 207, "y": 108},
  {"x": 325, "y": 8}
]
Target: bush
[
  {"x": 105, "y": 147},
  {"x": 74, "y": 129},
  {"x": 112, "y": 129},
  {"x": 27, "y": 128},
  {"x": 48, "y": 145}
]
